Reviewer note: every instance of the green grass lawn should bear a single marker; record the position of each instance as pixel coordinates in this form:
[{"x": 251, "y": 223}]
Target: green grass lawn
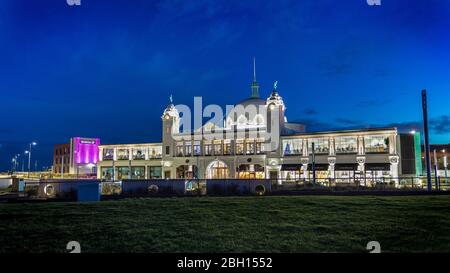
[{"x": 231, "y": 224}]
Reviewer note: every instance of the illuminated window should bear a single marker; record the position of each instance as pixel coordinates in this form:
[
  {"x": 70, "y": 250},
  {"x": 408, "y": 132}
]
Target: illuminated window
[
  {"x": 155, "y": 152},
  {"x": 138, "y": 154},
  {"x": 123, "y": 154},
  {"x": 107, "y": 173},
  {"x": 346, "y": 145},
  {"x": 227, "y": 147},
  {"x": 208, "y": 148},
  {"x": 217, "y": 147},
  {"x": 155, "y": 172},
  {"x": 321, "y": 145},
  {"x": 188, "y": 148},
  {"x": 108, "y": 154},
  {"x": 197, "y": 148},
  {"x": 251, "y": 171},
  {"x": 260, "y": 146},
  {"x": 239, "y": 146},
  {"x": 376, "y": 144},
  {"x": 250, "y": 146},
  {"x": 137, "y": 172},
  {"x": 179, "y": 149},
  {"x": 123, "y": 173},
  {"x": 292, "y": 147}
]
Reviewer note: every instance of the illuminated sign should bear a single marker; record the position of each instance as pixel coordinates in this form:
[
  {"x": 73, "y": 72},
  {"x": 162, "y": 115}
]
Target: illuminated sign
[{"x": 85, "y": 151}]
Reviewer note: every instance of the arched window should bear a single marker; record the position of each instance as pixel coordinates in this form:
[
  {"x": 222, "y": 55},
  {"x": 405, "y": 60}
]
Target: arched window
[
  {"x": 259, "y": 119},
  {"x": 217, "y": 170},
  {"x": 242, "y": 120}
]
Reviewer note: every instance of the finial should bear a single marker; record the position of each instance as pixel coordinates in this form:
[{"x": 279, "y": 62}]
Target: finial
[
  {"x": 254, "y": 69},
  {"x": 275, "y": 85},
  {"x": 171, "y": 99}
]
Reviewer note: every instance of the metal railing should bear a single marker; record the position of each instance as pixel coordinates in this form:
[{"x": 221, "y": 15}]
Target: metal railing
[{"x": 362, "y": 183}]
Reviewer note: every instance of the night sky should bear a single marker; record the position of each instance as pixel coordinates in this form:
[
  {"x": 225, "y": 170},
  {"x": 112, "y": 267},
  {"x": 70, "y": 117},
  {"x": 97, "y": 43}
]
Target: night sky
[{"x": 106, "y": 68}]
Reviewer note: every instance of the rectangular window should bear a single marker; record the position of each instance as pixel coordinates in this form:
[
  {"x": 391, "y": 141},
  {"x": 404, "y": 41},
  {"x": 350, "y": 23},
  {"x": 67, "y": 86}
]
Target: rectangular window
[
  {"x": 239, "y": 146},
  {"x": 217, "y": 147},
  {"x": 293, "y": 147},
  {"x": 108, "y": 154},
  {"x": 197, "y": 148},
  {"x": 155, "y": 172},
  {"x": 123, "y": 173},
  {"x": 321, "y": 145},
  {"x": 179, "y": 149},
  {"x": 250, "y": 146},
  {"x": 188, "y": 148},
  {"x": 155, "y": 152},
  {"x": 259, "y": 146},
  {"x": 137, "y": 172},
  {"x": 208, "y": 148},
  {"x": 139, "y": 154},
  {"x": 167, "y": 150},
  {"x": 346, "y": 145},
  {"x": 107, "y": 173},
  {"x": 376, "y": 144},
  {"x": 123, "y": 154},
  {"x": 227, "y": 147}
]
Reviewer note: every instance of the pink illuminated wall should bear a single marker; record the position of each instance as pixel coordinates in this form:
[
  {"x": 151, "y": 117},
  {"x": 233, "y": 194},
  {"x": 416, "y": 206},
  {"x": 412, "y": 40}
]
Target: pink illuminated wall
[{"x": 85, "y": 150}]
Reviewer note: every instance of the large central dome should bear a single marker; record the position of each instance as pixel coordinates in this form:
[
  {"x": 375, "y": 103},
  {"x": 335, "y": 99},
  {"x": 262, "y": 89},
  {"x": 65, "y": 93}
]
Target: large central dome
[{"x": 252, "y": 101}]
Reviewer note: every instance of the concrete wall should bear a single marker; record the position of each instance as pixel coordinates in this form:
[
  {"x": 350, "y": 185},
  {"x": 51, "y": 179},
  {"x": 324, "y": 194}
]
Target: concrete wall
[
  {"x": 230, "y": 186},
  {"x": 5, "y": 182},
  {"x": 178, "y": 186}
]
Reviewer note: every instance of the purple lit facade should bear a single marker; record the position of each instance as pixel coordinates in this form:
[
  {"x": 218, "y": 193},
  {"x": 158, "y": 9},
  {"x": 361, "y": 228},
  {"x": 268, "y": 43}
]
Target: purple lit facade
[{"x": 85, "y": 150}]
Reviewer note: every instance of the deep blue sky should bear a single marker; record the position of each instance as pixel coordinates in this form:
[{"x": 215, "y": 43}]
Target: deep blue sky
[{"x": 106, "y": 68}]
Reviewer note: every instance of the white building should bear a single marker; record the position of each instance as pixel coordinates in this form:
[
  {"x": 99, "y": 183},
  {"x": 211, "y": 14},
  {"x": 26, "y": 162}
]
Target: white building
[{"x": 365, "y": 155}]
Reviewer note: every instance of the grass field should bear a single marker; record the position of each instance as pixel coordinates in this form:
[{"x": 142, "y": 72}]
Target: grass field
[{"x": 231, "y": 224}]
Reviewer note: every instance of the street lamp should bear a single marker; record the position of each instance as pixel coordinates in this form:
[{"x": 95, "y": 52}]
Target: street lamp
[
  {"x": 29, "y": 157},
  {"x": 17, "y": 161},
  {"x": 25, "y": 153},
  {"x": 13, "y": 161}
]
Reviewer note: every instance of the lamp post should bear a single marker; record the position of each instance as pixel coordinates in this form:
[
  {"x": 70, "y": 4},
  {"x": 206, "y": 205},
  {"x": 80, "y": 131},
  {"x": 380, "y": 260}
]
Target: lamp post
[
  {"x": 436, "y": 174},
  {"x": 14, "y": 164},
  {"x": 426, "y": 139},
  {"x": 445, "y": 165},
  {"x": 313, "y": 162},
  {"x": 17, "y": 162},
  {"x": 29, "y": 157}
]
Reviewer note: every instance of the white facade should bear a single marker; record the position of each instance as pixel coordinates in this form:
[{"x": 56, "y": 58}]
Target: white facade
[{"x": 240, "y": 149}]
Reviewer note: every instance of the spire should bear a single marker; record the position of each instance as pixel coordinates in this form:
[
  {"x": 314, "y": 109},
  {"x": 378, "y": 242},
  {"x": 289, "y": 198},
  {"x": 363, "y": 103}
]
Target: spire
[
  {"x": 254, "y": 69},
  {"x": 255, "y": 85}
]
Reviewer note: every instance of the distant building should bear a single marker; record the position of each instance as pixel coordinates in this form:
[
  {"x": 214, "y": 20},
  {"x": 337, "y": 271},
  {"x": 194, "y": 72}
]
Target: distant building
[
  {"x": 442, "y": 156},
  {"x": 61, "y": 159},
  {"x": 78, "y": 157}
]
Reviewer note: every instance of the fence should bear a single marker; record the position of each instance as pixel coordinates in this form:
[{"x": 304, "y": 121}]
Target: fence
[{"x": 361, "y": 184}]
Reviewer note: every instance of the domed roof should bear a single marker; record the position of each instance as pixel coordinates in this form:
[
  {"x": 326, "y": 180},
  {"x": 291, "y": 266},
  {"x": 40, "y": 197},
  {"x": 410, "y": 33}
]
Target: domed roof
[{"x": 252, "y": 101}]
